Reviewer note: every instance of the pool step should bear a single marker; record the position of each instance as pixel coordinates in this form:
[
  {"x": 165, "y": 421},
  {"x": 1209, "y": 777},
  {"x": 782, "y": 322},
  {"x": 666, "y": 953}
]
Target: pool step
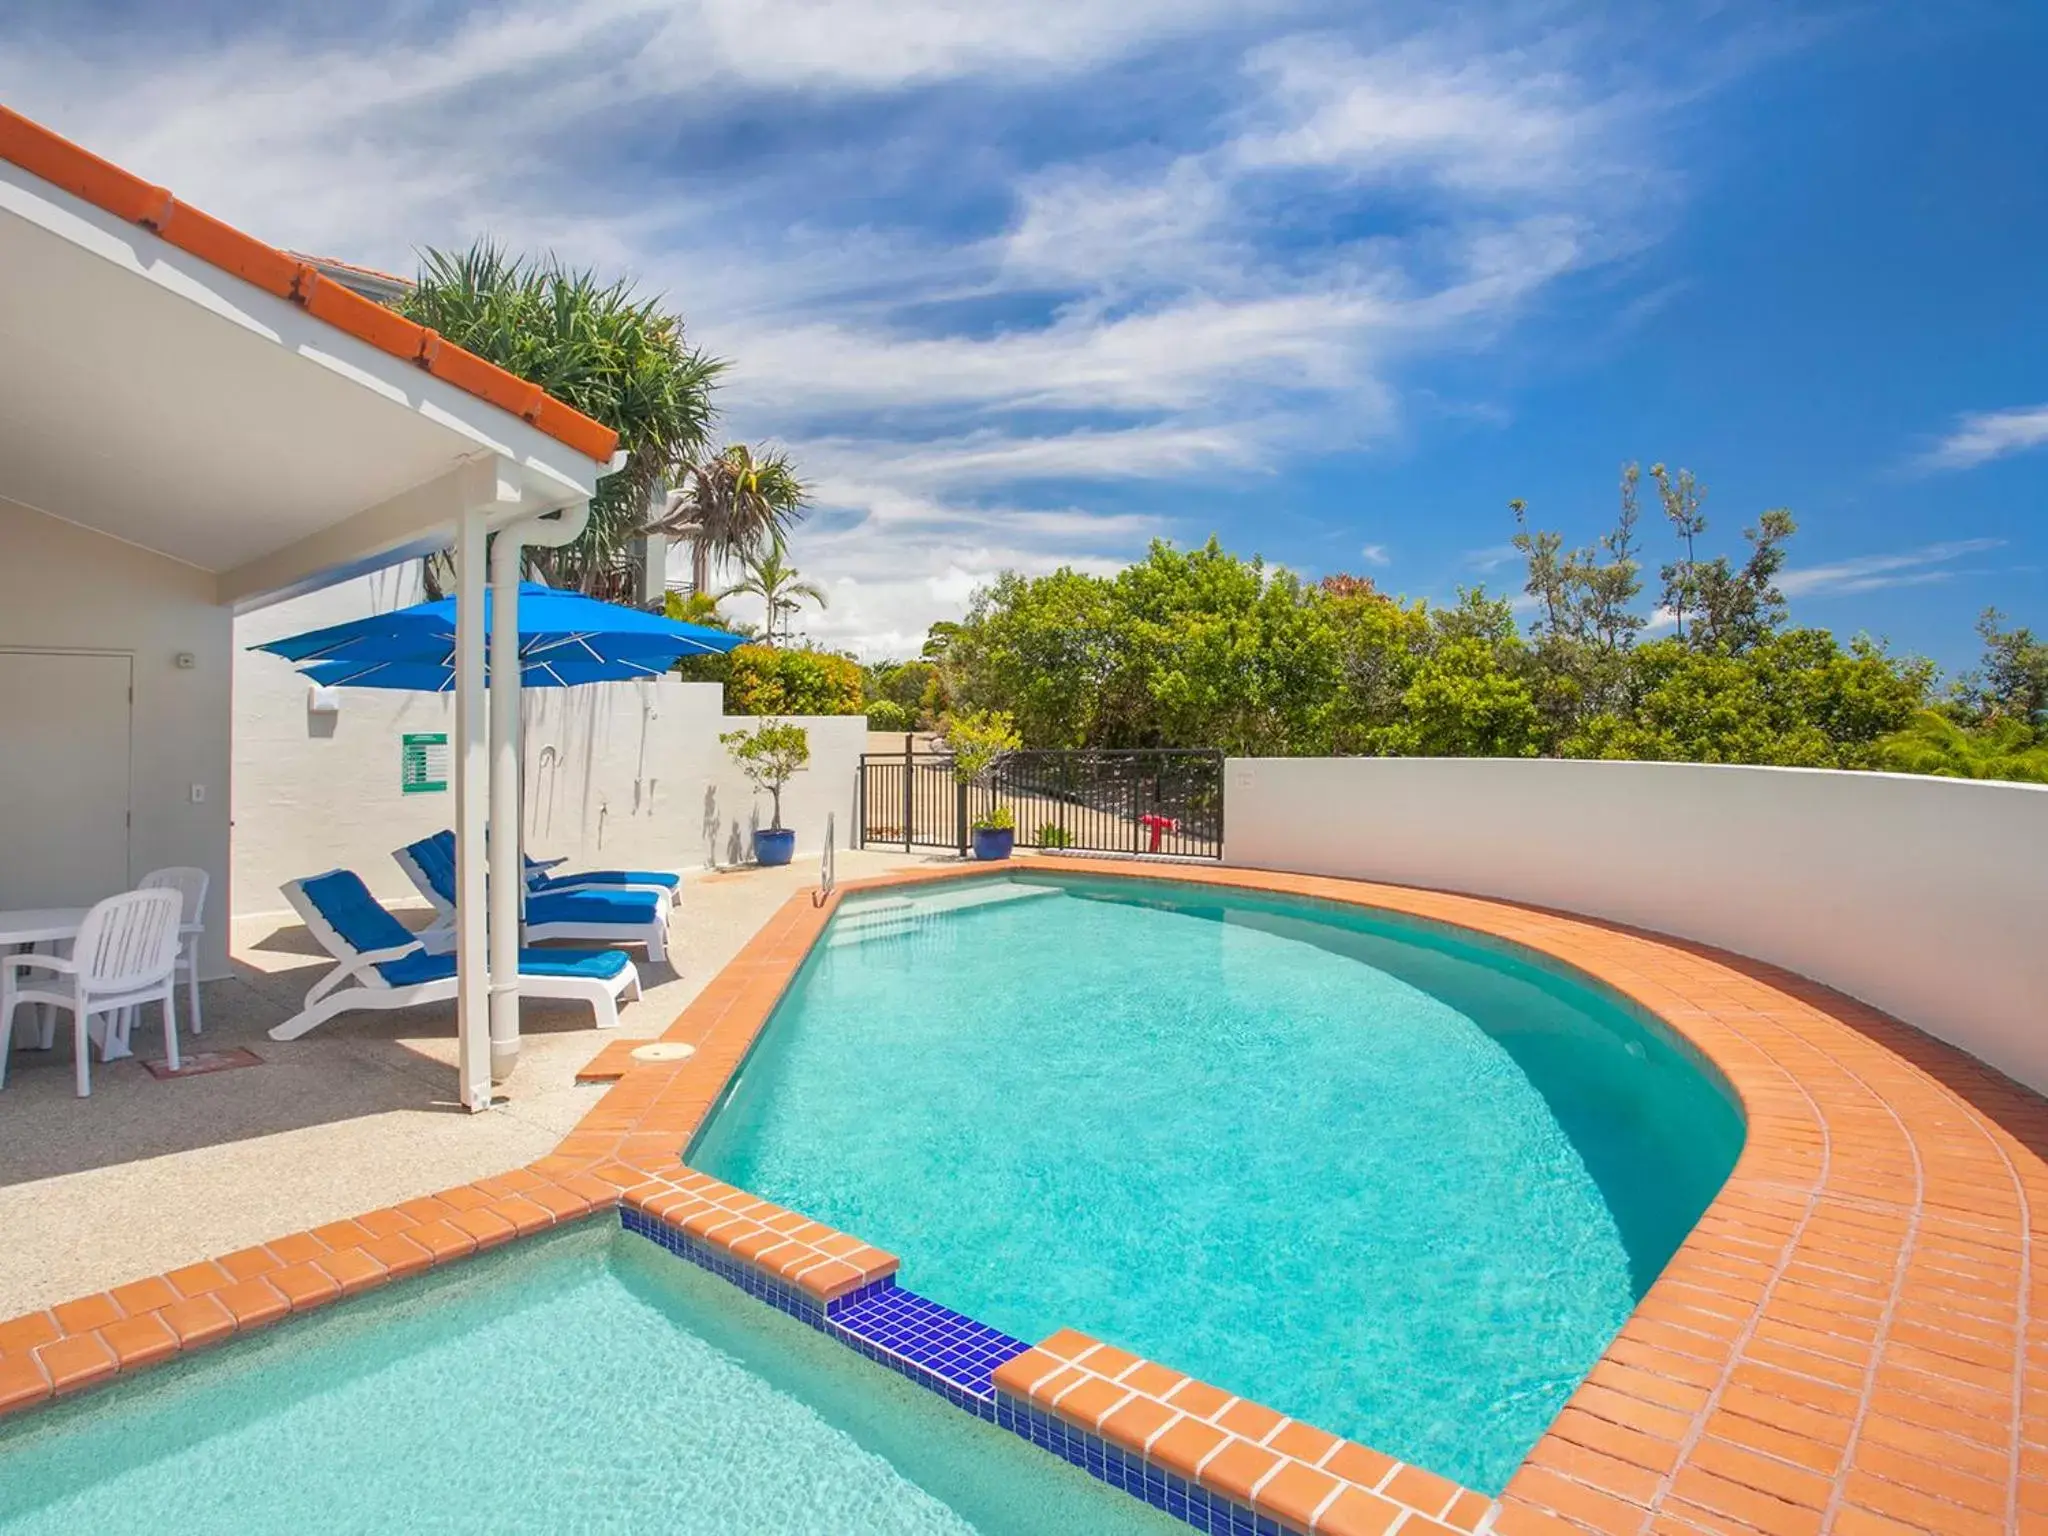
[{"x": 896, "y": 916}]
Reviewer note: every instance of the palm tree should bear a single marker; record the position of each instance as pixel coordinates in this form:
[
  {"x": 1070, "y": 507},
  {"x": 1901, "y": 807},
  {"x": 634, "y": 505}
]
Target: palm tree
[
  {"x": 730, "y": 505},
  {"x": 615, "y": 356},
  {"x": 776, "y": 582}
]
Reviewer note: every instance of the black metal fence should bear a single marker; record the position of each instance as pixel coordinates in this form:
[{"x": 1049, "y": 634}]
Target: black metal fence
[{"x": 1163, "y": 802}]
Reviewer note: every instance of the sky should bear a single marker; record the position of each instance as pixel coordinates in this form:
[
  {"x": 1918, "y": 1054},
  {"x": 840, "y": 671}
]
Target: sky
[{"x": 1029, "y": 283}]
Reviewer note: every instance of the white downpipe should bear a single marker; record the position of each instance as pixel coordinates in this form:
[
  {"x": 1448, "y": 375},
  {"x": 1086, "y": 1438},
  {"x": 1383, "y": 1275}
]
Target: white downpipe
[
  {"x": 472, "y": 769},
  {"x": 508, "y": 869}
]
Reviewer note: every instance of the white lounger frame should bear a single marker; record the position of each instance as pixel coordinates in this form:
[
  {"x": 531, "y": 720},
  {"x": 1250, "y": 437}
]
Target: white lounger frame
[
  {"x": 439, "y": 936},
  {"x": 371, "y": 990}
]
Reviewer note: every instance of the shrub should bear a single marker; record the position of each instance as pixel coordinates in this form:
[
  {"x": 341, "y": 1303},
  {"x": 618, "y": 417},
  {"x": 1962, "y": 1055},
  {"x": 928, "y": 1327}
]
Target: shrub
[
  {"x": 1053, "y": 835},
  {"x": 766, "y": 680},
  {"x": 888, "y": 715}
]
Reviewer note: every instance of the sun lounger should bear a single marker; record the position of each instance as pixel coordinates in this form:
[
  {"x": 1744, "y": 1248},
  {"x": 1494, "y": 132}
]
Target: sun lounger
[
  {"x": 608, "y": 917},
  {"x": 542, "y": 879},
  {"x": 382, "y": 964}
]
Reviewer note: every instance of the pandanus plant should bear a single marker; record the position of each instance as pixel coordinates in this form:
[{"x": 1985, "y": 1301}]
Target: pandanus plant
[{"x": 601, "y": 347}]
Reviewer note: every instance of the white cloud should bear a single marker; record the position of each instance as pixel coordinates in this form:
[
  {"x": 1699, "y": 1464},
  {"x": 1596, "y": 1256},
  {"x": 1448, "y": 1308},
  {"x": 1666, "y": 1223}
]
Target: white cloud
[
  {"x": 1928, "y": 564},
  {"x": 1375, "y": 554},
  {"x": 1985, "y": 435},
  {"x": 1139, "y": 307},
  {"x": 1489, "y": 124}
]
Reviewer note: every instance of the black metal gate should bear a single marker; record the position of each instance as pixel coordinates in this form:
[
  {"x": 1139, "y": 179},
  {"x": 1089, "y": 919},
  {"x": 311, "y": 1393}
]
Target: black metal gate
[{"x": 1167, "y": 802}]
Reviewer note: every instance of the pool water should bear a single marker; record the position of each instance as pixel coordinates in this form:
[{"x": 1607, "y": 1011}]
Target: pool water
[
  {"x": 583, "y": 1381},
  {"x": 1398, "y": 1180}
]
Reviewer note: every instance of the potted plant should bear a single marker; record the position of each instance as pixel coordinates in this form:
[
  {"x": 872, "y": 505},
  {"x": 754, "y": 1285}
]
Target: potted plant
[
  {"x": 770, "y": 755},
  {"x": 979, "y": 741},
  {"x": 995, "y": 833}
]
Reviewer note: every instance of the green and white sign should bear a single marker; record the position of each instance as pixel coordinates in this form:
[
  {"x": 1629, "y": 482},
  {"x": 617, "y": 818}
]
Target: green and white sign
[{"x": 423, "y": 763}]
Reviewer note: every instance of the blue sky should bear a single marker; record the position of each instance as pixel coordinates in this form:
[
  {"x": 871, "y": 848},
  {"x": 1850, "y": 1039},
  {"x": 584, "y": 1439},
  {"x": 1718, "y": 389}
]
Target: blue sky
[{"x": 1031, "y": 282}]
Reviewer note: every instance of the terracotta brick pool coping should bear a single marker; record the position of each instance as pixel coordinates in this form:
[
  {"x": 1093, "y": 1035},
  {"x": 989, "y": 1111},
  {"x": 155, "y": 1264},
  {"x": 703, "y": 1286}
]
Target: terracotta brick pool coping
[{"x": 1848, "y": 1341}]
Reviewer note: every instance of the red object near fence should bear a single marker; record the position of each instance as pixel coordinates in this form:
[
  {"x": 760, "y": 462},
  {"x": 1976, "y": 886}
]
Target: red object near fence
[{"x": 1158, "y": 826}]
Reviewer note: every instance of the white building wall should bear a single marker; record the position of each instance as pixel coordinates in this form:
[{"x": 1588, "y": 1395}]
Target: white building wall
[
  {"x": 63, "y": 587},
  {"x": 1925, "y": 897},
  {"x": 616, "y": 773}
]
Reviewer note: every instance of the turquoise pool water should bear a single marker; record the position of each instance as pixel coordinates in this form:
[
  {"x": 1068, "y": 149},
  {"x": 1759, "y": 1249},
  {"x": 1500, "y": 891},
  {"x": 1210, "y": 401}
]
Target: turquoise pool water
[
  {"x": 1400, "y": 1182},
  {"x": 585, "y": 1382}
]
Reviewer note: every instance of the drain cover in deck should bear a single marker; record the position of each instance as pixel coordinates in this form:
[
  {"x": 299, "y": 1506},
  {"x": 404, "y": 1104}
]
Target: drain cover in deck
[{"x": 663, "y": 1050}]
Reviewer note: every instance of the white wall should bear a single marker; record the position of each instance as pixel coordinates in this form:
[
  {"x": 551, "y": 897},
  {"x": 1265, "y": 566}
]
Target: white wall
[
  {"x": 63, "y": 587},
  {"x": 1925, "y": 897},
  {"x": 617, "y": 773}
]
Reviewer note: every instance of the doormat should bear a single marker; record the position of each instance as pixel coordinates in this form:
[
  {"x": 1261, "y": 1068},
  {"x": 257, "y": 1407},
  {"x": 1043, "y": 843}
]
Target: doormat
[{"x": 199, "y": 1063}]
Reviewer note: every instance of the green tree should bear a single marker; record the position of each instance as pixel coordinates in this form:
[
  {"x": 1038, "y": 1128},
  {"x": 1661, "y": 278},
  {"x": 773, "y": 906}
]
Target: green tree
[
  {"x": 1379, "y": 645},
  {"x": 1217, "y": 651},
  {"x": 908, "y": 686},
  {"x": 1680, "y": 496},
  {"x": 781, "y": 588},
  {"x": 2011, "y": 682},
  {"x": 1586, "y": 618},
  {"x": 1796, "y": 699},
  {"x": 1464, "y": 702},
  {"x": 601, "y": 347},
  {"x": 1041, "y": 649},
  {"x": 1739, "y": 607}
]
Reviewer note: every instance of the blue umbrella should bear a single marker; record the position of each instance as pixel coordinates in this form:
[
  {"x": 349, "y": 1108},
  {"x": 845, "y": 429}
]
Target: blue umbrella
[{"x": 565, "y": 639}]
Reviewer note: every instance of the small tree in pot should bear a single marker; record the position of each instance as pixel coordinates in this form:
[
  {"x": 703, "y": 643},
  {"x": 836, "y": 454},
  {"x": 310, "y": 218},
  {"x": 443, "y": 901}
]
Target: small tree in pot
[
  {"x": 979, "y": 741},
  {"x": 770, "y": 755}
]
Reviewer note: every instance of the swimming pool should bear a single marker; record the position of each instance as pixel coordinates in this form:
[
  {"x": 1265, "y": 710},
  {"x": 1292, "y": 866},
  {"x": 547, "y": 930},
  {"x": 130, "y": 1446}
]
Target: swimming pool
[
  {"x": 1396, "y": 1179},
  {"x": 584, "y": 1380}
]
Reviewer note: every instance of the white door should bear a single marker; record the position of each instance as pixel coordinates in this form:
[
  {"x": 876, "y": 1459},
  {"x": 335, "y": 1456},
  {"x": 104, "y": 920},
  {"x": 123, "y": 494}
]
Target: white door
[{"x": 63, "y": 777}]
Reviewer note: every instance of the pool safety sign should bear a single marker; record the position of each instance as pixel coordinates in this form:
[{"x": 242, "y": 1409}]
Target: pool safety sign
[{"x": 423, "y": 763}]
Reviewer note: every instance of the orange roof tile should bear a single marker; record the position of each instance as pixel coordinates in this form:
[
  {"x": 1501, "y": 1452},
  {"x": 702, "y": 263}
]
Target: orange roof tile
[{"x": 105, "y": 185}]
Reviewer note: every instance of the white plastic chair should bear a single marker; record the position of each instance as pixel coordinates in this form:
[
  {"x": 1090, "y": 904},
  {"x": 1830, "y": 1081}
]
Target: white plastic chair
[
  {"x": 126, "y": 954},
  {"x": 190, "y": 884}
]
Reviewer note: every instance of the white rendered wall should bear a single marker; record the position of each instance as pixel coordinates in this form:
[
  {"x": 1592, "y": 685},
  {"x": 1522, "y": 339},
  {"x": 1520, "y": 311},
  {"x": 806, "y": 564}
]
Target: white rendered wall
[
  {"x": 63, "y": 587},
  {"x": 1925, "y": 897},
  {"x": 628, "y": 774}
]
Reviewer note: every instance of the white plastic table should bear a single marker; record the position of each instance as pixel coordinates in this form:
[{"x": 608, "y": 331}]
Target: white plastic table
[{"x": 53, "y": 925}]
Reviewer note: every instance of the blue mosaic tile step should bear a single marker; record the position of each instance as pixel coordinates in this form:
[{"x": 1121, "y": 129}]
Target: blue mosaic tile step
[
  {"x": 951, "y": 1354},
  {"x": 917, "y": 1330}
]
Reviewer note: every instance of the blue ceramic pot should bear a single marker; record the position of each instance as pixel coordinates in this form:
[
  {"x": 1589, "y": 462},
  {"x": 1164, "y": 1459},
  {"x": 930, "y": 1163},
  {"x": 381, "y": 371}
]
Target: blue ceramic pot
[
  {"x": 994, "y": 842},
  {"x": 775, "y": 846}
]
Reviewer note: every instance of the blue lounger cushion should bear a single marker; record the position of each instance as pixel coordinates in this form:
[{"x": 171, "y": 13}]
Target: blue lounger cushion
[
  {"x": 625, "y": 908},
  {"x": 351, "y": 911},
  {"x": 420, "y": 967}
]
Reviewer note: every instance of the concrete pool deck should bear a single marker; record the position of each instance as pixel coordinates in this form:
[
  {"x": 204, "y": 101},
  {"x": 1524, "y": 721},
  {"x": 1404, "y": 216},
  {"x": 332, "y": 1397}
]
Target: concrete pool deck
[
  {"x": 146, "y": 1175},
  {"x": 1851, "y": 1340}
]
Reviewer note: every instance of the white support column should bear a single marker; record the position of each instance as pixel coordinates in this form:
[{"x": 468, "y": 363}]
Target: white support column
[
  {"x": 472, "y": 772},
  {"x": 549, "y": 530},
  {"x": 507, "y": 862}
]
